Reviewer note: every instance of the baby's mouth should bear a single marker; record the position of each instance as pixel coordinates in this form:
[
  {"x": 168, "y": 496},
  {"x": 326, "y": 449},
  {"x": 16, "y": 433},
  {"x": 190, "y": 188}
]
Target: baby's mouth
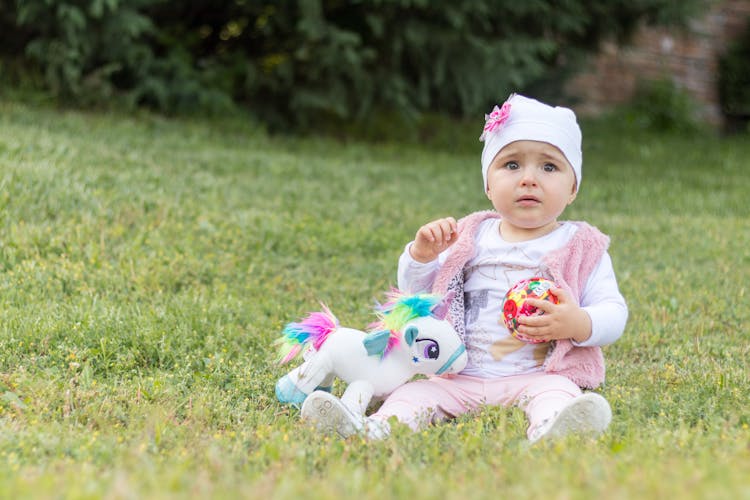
[{"x": 528, "y": 200}]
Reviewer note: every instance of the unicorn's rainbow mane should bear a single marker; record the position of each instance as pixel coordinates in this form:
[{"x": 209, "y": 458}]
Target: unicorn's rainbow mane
[
  {"x": 312, "y": 330},
  {"x": 398, "y": 310}
]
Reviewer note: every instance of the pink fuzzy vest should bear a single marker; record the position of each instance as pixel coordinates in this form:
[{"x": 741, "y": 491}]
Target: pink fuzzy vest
[{"x": 569, "y": 266}]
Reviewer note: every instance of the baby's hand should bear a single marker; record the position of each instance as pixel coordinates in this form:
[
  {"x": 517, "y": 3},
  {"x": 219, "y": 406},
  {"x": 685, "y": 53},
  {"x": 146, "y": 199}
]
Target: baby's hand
[
  {"x": 564, "y": 320},
  {"x": 433, "y": 238}
]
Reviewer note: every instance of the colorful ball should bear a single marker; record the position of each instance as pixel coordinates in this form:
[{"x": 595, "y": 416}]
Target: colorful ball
[{"x": 515, "y": 303}]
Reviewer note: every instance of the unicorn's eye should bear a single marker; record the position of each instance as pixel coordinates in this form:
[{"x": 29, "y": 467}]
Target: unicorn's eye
[{"x": 431, "y": 349}]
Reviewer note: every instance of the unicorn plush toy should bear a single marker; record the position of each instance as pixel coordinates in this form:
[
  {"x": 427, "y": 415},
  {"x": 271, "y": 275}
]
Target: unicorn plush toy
[{"x": 410, "y": 337}]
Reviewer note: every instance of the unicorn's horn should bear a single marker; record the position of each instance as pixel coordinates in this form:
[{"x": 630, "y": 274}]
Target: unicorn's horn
[{"x": 440, "y": 310}]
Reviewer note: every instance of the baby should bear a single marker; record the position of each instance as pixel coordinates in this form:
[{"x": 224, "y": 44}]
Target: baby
[{"x": 531, "y": 167}]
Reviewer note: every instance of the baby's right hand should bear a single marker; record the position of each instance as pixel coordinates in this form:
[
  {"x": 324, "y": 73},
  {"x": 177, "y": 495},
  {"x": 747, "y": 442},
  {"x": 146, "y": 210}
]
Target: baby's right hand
[{"x": 433, "y": 238}]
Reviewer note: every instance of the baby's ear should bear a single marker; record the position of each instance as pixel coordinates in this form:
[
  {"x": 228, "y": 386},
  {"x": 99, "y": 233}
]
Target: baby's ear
[
  {"x": 573, "y": 191},
  {"x": 573, "y": 195}
]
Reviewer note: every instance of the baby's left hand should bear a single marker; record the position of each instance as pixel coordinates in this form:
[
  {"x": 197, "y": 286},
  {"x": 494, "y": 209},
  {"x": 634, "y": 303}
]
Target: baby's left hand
[{"x": 564, "y": 320}]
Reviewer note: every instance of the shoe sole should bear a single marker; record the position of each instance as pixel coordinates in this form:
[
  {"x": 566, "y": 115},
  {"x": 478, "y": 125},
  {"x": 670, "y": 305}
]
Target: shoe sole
[
  {"x": 588, "y": 414},
  {"x": 328, "y": 415}
]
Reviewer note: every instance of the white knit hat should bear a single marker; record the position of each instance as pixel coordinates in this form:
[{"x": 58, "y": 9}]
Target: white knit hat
[{"x": 524, "y": 119}]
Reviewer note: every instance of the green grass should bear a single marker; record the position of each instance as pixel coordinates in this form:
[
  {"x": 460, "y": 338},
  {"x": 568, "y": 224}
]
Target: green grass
[{"x": 146, "y": 265}]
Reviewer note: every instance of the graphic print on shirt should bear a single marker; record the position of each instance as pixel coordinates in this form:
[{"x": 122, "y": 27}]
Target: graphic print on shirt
[
  {"x": 473, "y": 303},
  {"x": 509, "y": 345},
  {"x": 505, "y": 346},
  {"x": 491, "y": 349},
  {"x": 478, "y": 339},
  {"x": 509, "y": 267},
  {"x": 477, "y": 342}
]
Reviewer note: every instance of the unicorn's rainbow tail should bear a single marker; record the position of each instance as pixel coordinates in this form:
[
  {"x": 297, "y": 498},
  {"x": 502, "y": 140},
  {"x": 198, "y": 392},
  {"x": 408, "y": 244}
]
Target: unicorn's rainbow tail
[{"x": 312, "y": 330}]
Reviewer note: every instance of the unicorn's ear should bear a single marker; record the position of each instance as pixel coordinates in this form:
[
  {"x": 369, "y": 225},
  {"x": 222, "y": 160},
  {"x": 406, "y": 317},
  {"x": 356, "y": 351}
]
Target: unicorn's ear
[
  {"x": 410, "y": 334},
  {"x": 440, "y": 310},
  {"x": 376, "y": 342}
]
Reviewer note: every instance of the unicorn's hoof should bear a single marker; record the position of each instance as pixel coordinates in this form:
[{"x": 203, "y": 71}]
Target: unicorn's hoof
[
  {"x": 288, "y": 393},
  {"x": 330, "y": 416}
]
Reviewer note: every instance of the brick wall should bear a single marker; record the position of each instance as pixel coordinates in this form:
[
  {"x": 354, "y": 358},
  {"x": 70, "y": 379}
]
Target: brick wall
[{"x": 687, "y": 56}]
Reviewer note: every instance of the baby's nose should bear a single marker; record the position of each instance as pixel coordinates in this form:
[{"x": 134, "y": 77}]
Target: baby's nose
[{"x": 528, "y": 178}]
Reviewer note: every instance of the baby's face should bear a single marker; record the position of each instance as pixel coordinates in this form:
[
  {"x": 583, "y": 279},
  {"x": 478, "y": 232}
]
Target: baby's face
[{"x": 530, "y": 183}]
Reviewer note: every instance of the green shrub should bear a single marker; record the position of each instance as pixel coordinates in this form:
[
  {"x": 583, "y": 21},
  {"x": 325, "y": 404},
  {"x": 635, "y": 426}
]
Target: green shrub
[
  {"x": 94, "y": 51},
  {"x": 734, "y": 81},
  {"x": 661, "y": 106},
  {"x": 300, "y": 63},
  {"x": 81, "y": 45}
]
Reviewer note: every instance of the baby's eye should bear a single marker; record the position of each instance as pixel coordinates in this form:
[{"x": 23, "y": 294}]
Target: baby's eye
[
  {"x": 511, "y": 165},
  {"x": 549, "y": 167}
]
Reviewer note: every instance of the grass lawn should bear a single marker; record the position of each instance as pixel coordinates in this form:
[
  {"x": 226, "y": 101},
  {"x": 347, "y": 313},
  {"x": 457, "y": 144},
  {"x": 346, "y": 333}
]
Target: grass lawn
[{"x": 146, "y": 265}]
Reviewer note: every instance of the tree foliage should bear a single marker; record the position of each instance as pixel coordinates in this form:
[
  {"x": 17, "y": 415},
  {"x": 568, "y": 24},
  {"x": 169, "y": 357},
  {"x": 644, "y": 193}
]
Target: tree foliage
[{"x": 297, "y": 62}]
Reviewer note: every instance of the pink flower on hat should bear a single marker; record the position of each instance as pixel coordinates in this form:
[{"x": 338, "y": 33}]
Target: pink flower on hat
[{"x": 495, "y": 120}]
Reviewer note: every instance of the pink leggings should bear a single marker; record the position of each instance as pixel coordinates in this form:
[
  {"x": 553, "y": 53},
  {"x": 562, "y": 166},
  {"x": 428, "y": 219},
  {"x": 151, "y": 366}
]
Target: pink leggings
[{"x": 423, "y": 402}]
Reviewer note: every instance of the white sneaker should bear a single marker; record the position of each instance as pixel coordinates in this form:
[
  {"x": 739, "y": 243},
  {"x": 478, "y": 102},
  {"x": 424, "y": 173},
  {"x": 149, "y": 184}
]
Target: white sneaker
[
  {"x": 586, "y": 414},
  {"x": 330, "y": 415}
]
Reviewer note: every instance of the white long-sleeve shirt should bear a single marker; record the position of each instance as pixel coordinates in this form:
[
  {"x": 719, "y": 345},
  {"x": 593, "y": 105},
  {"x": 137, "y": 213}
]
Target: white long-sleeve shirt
[{"x": 495, "y": 268}]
